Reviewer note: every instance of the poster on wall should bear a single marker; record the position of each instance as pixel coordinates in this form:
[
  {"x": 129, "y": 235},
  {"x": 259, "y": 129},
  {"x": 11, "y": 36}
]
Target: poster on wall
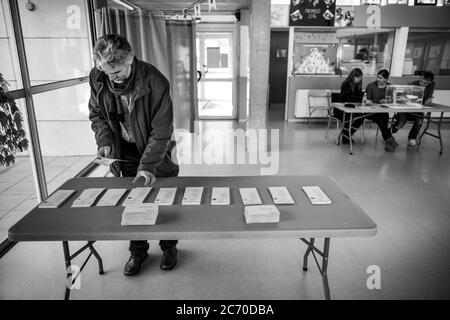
[
  {"x": 344, "y": 16},
  {"x": 425, "y": 2},
  {"x": 315, "y": 58},
  {"x": 312, "y": 13}
]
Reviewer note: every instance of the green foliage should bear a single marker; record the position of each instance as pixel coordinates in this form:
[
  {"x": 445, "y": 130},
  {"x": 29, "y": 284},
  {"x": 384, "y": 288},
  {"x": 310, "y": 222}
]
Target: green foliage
[{"x": 12, "y": 136}]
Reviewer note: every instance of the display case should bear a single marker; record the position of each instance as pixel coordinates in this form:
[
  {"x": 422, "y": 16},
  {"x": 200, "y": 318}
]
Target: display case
[{"x": 404, "y": 95}]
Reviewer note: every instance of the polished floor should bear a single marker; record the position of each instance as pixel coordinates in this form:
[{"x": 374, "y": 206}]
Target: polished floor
[{"x": 406, "y": 193}]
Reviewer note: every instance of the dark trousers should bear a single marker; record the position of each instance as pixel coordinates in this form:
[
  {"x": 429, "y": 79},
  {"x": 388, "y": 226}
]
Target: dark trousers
[
  {"x": 381, "y": 119},
  {"x": 131, "y": 153},
  {"x": 400, "y": 121}
]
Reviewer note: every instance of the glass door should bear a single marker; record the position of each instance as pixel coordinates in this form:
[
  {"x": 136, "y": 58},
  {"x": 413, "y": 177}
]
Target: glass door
[{"x": 216, "y": 89}]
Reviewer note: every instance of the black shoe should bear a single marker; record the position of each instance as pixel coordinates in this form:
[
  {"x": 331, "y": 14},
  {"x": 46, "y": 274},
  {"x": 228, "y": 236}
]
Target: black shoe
[
  {"x": 133, "y": 265},
  {"x": 169, "y": 259},
  {"x": 394, "y": 129}
]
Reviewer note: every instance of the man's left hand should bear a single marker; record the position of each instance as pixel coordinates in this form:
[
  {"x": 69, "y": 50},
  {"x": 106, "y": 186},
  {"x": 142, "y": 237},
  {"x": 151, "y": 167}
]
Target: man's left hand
[{"x": 148, "y": 176}]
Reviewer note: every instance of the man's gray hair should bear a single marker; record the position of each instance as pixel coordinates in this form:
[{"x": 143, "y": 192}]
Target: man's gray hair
[{"x": 113, "y": 50}]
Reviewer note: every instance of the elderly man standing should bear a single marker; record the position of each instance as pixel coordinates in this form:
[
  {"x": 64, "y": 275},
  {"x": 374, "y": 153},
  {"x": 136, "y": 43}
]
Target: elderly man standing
[{"x": 131, "y": 113}]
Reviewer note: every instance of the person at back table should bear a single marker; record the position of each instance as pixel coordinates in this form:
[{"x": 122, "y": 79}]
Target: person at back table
[
  {"x": 426, "y": 80},
  {"x": 351, "y": 91}
]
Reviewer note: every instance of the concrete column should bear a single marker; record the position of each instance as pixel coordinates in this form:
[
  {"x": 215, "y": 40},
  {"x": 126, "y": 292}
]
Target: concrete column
[
  {"x": 398, "y": 54},
  {"x": 259, "y": 61}
]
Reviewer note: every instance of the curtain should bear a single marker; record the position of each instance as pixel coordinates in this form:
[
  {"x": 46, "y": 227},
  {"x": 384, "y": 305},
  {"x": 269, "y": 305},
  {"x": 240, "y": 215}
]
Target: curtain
[{"x": 168, "y": 45}]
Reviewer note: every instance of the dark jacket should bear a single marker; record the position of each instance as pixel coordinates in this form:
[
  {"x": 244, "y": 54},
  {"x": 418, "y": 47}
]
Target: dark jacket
[
  {"x": 349, "y": 95},
  {"x": 151, "y": 119},
  {"x": 428, "y": 91}
]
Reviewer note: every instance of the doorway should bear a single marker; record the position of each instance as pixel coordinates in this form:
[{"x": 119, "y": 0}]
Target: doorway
[
  {"x": 216, "y": 88},
  {"x": 279, "y": 42}
]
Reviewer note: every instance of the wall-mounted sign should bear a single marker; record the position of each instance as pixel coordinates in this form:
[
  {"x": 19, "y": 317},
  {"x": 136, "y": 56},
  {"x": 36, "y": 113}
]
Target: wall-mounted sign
[
  {"x": 312, "y": 13},
  {"x": 344, "y": 16},
  {"x": 425, "y": 2}
]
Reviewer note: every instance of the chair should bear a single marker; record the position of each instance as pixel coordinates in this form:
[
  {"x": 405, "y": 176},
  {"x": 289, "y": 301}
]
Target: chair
[
  {"x": 318, "y": 100},
  {"x": 334, "y": 97}
]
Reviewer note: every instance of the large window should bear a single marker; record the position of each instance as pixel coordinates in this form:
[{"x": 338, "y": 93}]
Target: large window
[
  {"x": 57, "y": 47},
  {"x": 339, "y": 51},
  {"x": 56, "y": 39},
  {"x": 427, "y": 50}
]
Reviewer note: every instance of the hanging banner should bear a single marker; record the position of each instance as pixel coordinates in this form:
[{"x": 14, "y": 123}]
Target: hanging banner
[
  {"x": 312, "y": 13},
  {"x": 212, "y": 5}
]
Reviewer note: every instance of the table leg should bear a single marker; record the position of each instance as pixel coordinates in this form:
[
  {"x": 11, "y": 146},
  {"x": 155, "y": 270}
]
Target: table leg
[
  {"x": 68, "y": 261},
  {"x": 350, "y": 133},
  {"x": 68, "y": 264},
  {"x": 439, "y": 132},
  {"x": 322, "y": 268},
  {"x": 339, "y": 139},
  {"x": 428, "y": 116},
  {"x": 308, "y": 251},
  {"x": 97, "y": 256}
]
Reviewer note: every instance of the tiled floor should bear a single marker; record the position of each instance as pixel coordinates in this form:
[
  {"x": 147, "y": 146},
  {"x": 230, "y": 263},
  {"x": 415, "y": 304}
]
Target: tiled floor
[{"x": 405, "y": 193}]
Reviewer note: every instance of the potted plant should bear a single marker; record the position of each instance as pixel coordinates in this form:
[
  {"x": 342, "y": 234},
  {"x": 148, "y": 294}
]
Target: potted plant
[{"x": 12, "y": 136}]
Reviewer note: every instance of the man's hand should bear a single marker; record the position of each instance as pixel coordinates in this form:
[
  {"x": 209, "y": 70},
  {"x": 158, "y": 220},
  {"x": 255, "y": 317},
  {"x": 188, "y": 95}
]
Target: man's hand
[
  {"x": 104, "y": 152},
  {"x": 148, "y": 176},
  {"x": 428, "y": 101},
  {"x": 369, "y": 102}
]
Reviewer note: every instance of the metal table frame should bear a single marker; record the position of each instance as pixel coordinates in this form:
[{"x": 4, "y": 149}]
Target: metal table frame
[{"x": 366, "y": 112}]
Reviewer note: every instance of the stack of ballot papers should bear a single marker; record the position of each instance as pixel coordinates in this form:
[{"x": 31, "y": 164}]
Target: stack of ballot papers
[
  {"x": 140, "y": 214},
  {"x": 57, "y": 199},
  {"x": 220, "y": 196},
  {"x": 111, "y": 197},
  {"x": 137, "y": 195},
  {"x": 192, "y": 196},
  {"x": 250, "y": 196},
  {"x": 87, "y": 197},
  {"x": 281, "y": 195},
  {"x": 165, "y": 196},
  {"x": 261, "y": 214}
]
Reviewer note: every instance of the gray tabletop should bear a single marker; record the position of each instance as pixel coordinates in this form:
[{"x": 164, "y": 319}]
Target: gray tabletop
[
  {"x": 342, "y": 218},
  {"x": 376, "y": 108}
]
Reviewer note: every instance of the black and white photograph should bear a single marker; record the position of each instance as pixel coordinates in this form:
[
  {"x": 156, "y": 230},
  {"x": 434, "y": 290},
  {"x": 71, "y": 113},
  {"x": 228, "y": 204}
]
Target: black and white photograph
[{"x": 224, "y": 158}]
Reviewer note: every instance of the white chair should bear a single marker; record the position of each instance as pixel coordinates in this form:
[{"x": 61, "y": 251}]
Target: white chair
[{"x": 318, "y": 100}]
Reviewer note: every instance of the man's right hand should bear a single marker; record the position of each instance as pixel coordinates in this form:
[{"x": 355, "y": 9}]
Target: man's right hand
[{"x": 104, "y": 152}]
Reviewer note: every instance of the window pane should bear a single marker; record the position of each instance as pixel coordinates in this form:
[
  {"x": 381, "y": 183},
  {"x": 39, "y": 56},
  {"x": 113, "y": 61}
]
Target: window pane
[
  {"x": 17, "y": 189},
  {"x": 56, "y": 40},
  {"x": 339, "y": 51},
  {"x": 67, "y": 141},
  {"x": 427, "y": 51},
  {"x": 9, "y": 63}
]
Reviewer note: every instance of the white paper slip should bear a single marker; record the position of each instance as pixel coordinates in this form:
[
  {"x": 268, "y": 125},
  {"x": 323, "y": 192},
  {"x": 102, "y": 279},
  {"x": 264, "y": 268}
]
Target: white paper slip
[
  {"x": 192, "y": 196},
  {"x": 111, "y": 197},
  {"x": 261, "y": 214},
  {"x": 220, "y": 196},
  {"x": 104, "y": 161},
  {"x": 140, "y": 214},
  {"x": 250, "y": 196},
  {"x": 57, "y": 199},
  {"x": 316, "y": 195},
  {"x": 281, "y": 195},
  {"x": 165, "y": 196},
  {"x": 87, "y": 198},
  {"x": 137, "y": 195}
]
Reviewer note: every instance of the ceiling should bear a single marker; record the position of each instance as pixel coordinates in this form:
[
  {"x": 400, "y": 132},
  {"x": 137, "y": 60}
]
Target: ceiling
[{"x": 223, "y": 6}]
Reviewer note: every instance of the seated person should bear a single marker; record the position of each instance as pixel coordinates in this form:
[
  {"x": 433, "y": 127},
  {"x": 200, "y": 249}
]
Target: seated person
[
  {"x": 376, "y": 93},
  {"x": 426, "y": 80},
  {"x": 351, "y": 92}
]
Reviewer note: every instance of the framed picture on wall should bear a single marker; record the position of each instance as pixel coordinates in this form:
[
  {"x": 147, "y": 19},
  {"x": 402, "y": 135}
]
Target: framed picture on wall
[{"x": 417, "y": 53}]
